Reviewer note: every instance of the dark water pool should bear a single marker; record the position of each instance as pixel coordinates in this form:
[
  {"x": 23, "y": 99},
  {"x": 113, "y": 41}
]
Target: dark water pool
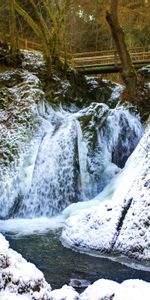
[{"x": 59, "y": 264}]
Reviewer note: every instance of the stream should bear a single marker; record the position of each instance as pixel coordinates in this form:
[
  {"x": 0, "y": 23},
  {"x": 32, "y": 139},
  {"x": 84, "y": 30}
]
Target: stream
[{"x": 60, "y": 264}]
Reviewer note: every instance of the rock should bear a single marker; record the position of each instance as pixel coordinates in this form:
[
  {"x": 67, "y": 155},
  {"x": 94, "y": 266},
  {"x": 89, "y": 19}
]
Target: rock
[
  {"x": 18, "y": 277},
  {"x": 109, "y": 290},
  {"x": 100, "y": 290},
  {"x": 145, "y": 72},
  {"x": 10, "y": 78},
  {"x": 134, "y": 236},
  {"x": 18, "y": 112},
  {"x": 78, "y": 92},
  {"x": 122, "y": 223},
  {"x": 65, "y": 293},
  {"x": 7, "y": 58},
  {"x": 79, "y": 283},
  {"x": 34, "y": 62}
]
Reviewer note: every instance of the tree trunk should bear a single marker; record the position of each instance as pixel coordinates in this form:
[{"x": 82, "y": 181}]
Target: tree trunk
[
  {"x": 49, "y": 29},
  {"x": 12, "y": 28},
  {"x": 128, "y": 72}
]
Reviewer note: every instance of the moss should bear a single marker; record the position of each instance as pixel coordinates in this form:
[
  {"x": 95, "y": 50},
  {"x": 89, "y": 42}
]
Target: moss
[{"x": 92, "y": 120}]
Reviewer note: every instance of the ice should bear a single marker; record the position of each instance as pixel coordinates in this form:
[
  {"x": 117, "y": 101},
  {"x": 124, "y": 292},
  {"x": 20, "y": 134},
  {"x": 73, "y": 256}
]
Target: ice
[{"x": 122, "y": 222}]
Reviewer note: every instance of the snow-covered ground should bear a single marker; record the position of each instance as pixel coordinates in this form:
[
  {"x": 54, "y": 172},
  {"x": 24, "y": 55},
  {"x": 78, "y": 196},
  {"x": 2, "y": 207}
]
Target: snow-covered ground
[{"x": 121, "y": 224}]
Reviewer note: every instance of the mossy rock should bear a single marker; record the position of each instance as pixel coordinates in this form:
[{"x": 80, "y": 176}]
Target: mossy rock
[
  {"x": 93, "y": 118},
  {"x": 79, "y": 91}
]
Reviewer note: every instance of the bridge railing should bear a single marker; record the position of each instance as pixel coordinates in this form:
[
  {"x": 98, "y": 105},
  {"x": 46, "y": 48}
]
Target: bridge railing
[
  {"x": 23, "y": 43},
  {"x": 112, "y": 59},
  {"x": 104, "y": 57}
]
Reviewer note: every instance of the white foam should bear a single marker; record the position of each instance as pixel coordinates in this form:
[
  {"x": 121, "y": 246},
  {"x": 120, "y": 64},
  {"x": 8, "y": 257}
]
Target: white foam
[{"x": 31, "y": 226}]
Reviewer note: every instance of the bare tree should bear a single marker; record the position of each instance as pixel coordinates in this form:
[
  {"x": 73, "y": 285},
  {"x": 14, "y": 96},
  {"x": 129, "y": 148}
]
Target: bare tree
[
  {"x": 128, "y": 72},
  {"x": 47, "y": 22}
]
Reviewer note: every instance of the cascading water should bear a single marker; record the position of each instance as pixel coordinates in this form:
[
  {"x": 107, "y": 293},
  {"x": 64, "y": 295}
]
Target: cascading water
[
  {"x": 74, "y": 157},
  {"x": 54, "y": 184},
  {"x": 106, "y": 138}
]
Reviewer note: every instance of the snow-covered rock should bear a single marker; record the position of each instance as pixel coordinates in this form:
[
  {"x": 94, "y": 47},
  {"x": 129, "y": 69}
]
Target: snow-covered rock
[
  {"x": 145, "y": 72},
  {"x": 100, "y": 290},
  {"x": 107, "y": 290},
  {"x": 66, "y": 293},
  {"x": 33, "y": 61},
  {"x": 94, "y": 228},
  {"x": 19, "y": 98},
  {"x": 19, "y": 277},
  {"x": 122, "y": 223},
  {"x": 134, "y": 236},
  {"x": 6, "y": 295}
]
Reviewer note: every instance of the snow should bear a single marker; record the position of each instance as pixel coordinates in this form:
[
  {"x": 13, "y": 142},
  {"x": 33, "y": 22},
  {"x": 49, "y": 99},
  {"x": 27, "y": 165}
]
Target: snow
[
  {"x": 107, "y": 290},
  {"x": 6, "y": 295},
  {"x": 66, "y": 293},
  {"x": 21, "y": 227},
  {"x": 17, "y": 276},
  {"x": 116, "y": 91},
  {"x": 94, "y": 228},
  {"x": 33, "y": 60},
  {"x": 100, "y": 289},
  {"x": 21, "y": 280},
  {"x": 3, "y": 244},
  {"x": 91, "y": 81},
  {"x": 134, "y": 236},
  {"x": 122, "y": 223}
]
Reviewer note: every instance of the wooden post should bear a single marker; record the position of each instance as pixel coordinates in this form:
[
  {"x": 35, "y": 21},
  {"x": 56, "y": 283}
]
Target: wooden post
[
  {"x": 26, "y": 44},
  {"x": 115, "y": 58}
]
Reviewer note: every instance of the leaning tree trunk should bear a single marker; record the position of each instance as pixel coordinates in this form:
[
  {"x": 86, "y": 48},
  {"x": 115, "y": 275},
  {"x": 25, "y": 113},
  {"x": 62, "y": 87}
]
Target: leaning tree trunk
[
  {"x": 12, "y": 28},
  {"x": 128, "y": 72}
]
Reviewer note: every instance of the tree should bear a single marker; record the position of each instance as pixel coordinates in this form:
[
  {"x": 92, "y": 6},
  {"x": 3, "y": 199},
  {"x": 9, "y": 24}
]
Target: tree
[
  {"x": 128, "y": 72},
  {"x": 12, "y": 28},
  {"x": 47, "y": 21}
]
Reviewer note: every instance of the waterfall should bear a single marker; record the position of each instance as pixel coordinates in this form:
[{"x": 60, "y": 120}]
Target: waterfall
[
  {"x": 104, "y": 144},
  {"x": 16, "y": 179},
  {"x": 82, "y": 153},
  {"x": 74, "y": 156},
  {"x": 54, "y": 184}
]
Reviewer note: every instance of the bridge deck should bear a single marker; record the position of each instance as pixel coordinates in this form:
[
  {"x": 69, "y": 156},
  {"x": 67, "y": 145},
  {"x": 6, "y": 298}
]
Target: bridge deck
[
  {"x": 101, "y": 63},
  {"x": 108, "y": 59}
]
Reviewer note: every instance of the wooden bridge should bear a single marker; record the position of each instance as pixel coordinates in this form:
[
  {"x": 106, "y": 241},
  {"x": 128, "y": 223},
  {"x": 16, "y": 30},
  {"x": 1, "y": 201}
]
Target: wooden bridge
[
  {"x": 98, "y": 62},
  {"x": 102, "y": 62}
]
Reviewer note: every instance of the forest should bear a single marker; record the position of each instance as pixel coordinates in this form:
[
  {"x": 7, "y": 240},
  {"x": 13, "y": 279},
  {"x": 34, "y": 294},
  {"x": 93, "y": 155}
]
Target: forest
[
  {"x": 81, "y": 26},
  {"x": 74, "y": 150}
]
